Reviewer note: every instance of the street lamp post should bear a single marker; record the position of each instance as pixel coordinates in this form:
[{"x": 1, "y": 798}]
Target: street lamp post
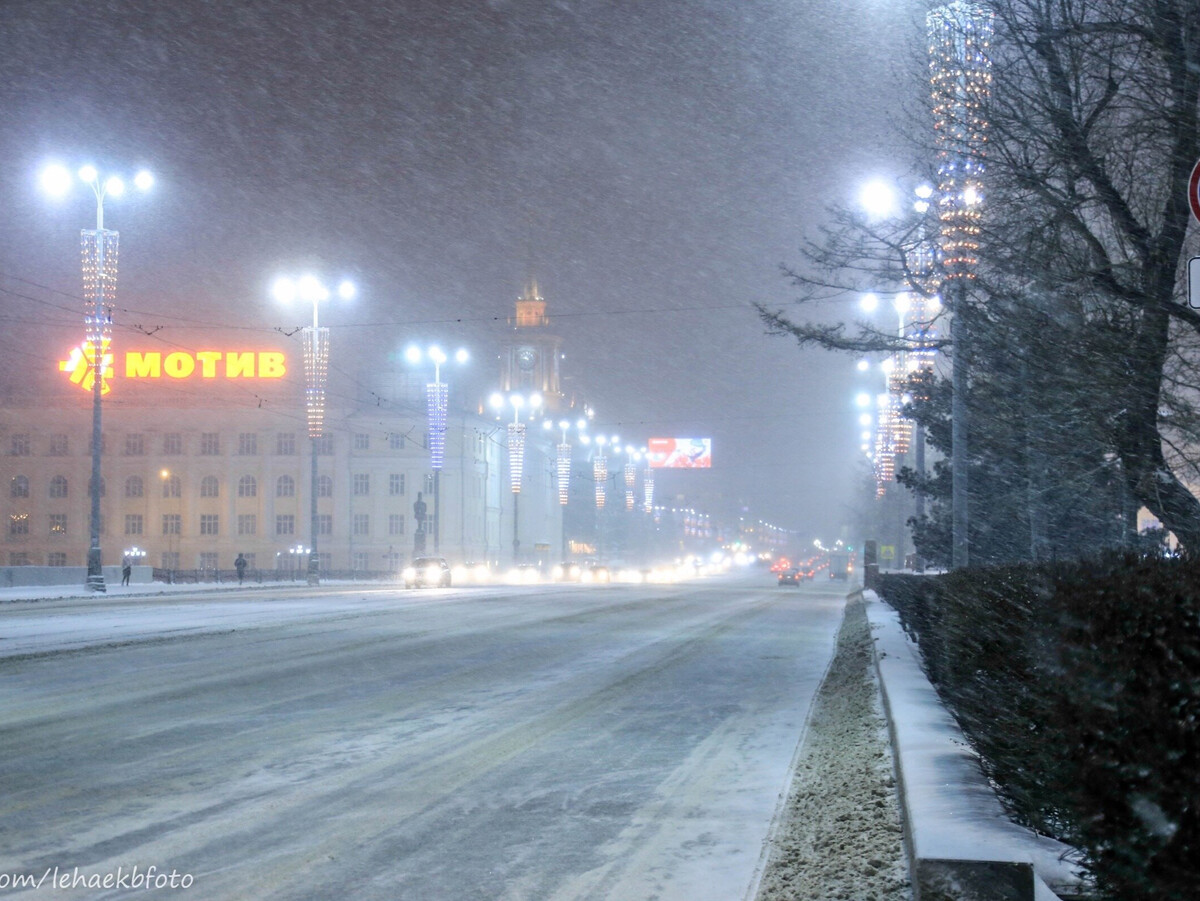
[
  {"x": 99, "y": 296},
  {"x": 516, "y": 451},
  {"x": 563, "y": 471},
  {"x": 437, "y": 403},
  {"x": 316, "y": 374}
]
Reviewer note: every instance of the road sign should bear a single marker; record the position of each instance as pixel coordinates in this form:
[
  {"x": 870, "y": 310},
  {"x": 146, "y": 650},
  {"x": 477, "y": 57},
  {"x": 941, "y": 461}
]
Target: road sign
[
  {"x": 887, "y": 552},
  {"x": 1194, "y": 191},
  {"x": 1194, "y": 283}
]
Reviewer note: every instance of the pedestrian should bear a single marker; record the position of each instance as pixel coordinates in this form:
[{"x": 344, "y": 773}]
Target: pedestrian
[
  {"x": 240, "y": 565},
  {"x": 126, "y": 572}
]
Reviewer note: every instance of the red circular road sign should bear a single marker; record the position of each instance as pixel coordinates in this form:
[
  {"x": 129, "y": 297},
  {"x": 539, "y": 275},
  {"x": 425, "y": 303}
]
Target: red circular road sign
[{"x": 1194, "y": 191}]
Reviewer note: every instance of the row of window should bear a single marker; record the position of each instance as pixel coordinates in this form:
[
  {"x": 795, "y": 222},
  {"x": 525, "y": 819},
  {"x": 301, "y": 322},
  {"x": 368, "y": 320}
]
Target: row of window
[
  {"x": 210, "y": 524},
  {"x": 210, "y": 486},
  {"x": 209, "y": 560},
  {"x": 20, "y": 444}
]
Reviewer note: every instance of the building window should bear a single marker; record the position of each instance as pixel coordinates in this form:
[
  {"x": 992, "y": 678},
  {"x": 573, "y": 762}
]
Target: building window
[
  {"x": 173, "y": 444},
  {"x": 210, "y": 487},
  {"x": 362, "y": 442},
  {"x": 170, "y": 560},
  {"x": 58, "y": 447},
  {"x": 429, "y": 483},
  {"x": 19, "y": 487},
  {"x": 324, "y": 486},
  {"x": 396, "y": 483},
  {"x": 362, "y": 484},
  {"x": 20, "y": 445},
  {"x": 18, "y": 524},
  {"x": 210, "y": 444},
  {"x": 209, "y": 524},
  {"x": 360, "y": 561},
  {"x": 133, "y": 486},
  {"x": 58, "y": 525},
  {"x": 172, "y": 524},
  {"x": 285, "y": 444},
  {"x": 324, "y": 524},
  {"x": 56, "y": 558},
  {"x": 247, "y": 486},
  {"x": 58, "y": 486},
  {"x": 395, "y": 523},
  {"x": 396, "y": 441},
  {"x": 18, "y": 558},
  {"x": 247, "y": 524},
  {"x": 285, "y": 524},
  {"x": 210, "y": 560},
  {"x": 135, "y": 444},
  {"x": 362, "y": 524},
  {"x": 247, "y": 444},
  {"x": 133, "y": 524},
  {"x": 325, "y": 446},
  {"x": 172, "y": 486},
  {"x": 285, "y": 486}
]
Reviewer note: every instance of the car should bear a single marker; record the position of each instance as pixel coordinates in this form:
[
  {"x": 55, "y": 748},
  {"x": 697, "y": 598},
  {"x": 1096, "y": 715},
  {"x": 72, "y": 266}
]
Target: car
[
  {"x": 567, "y": 572},
  {"x": 427, "y": 572},
  {"x": 595, "y": 572},
  {"x": 790, "y": 577}
]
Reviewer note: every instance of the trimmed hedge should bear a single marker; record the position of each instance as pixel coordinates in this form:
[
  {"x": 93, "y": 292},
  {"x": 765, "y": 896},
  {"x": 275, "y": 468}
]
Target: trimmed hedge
[{"x": 1079, "y": 686}]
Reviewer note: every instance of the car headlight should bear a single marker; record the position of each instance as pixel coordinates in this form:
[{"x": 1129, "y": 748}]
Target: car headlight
[{"x": 409, "y": 573}]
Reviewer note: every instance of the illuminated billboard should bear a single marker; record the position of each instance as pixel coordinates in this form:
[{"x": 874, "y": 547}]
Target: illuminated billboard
[
  {"x": 679, "y": 453},
  {"x": 206, "y": 364}
]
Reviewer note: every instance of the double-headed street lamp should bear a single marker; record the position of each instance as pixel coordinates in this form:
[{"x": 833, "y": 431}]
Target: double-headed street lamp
[
  {"x": 437, "y": 403},
  {"x": 99, "y": 297},
  {"x": 310, "y": 289},
  {"x": 563, "y": 468},
  {"x": 516, "y": 448}
]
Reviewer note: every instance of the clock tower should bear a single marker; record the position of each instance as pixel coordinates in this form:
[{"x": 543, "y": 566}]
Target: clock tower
[{"x": 531, "y": 355}]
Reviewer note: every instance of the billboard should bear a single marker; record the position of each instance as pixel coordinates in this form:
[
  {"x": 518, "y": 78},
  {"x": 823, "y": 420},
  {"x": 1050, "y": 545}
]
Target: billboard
[{"x": 679, "y": 453}]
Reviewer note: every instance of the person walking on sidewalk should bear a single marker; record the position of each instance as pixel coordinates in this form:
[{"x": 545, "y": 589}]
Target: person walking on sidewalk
[{"x": 240, "y": 565}]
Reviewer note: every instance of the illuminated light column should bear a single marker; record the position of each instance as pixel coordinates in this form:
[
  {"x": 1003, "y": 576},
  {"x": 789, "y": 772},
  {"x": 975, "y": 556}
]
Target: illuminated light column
[
  {"x": 99, "y": 258},
  {"x": 600, "y": 471},
  {"x": 516, "y": 452},
  {"x": 630, "y": 481},
  {"x": 316, "y": 375},
  {"x": 562, "y": 469},
  {"x": 648, "y": 490},
  {"x": 437, "y": 405},
  {"x": 960, "y": 77}
]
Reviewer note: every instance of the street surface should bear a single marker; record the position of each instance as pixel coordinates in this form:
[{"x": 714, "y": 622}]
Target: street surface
[{"x": 543, "y": 742}]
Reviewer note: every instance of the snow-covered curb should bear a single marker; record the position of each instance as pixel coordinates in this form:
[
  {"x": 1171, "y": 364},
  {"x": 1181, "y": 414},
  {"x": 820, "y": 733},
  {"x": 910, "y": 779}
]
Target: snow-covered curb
[{"x": 961, "y": 842}]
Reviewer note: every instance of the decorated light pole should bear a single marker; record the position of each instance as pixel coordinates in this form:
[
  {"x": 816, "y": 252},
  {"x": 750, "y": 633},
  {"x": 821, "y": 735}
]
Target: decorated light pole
[
  {"x": 309, "y": 289},
  {"x": 562, "y": 469},
  {"x": 99, "y": 255},
  {"x": 516, "y": 451},
  {"x": 437, "y": 404}
]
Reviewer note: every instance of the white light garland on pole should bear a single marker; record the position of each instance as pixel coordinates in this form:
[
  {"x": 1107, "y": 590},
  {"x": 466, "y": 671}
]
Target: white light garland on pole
[
  {"x": 437, "y": 406},
  {"x": 309, "y": 289},
  {"x": 516, "y": 450},
  {"x": 99, "y": 257}
]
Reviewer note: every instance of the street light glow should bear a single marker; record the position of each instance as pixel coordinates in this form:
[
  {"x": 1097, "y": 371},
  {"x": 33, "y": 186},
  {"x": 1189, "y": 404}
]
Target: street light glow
[
  {"x": 56, "y": 180},
  {"x": 878, "y": 199},
  {"x": 869, "y": 303},
  {"x": 144, "y": 181},
  {"x": 88, "y": 174},
  {"x": 347, "y": 290},
  {"x": 114, "y": 187}
]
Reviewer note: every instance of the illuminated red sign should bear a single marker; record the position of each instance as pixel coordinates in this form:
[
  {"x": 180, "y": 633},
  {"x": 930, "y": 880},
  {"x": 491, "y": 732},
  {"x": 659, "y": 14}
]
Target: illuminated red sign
[{"x": 679, "y": 453}]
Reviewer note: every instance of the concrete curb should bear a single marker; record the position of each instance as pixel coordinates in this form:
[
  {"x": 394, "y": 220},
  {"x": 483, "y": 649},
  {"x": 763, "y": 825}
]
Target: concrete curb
[{"x": 961, "y": 843}]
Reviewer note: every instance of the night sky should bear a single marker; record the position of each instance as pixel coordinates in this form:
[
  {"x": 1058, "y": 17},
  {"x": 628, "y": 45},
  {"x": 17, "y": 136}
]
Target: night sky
[{"x": 653, "y": 162}]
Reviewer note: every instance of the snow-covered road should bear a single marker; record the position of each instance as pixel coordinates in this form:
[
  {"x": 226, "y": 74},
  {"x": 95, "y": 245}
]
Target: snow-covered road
[{"x": 556, "y": 742}]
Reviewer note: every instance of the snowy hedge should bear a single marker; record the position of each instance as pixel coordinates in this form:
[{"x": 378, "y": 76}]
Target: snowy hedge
[{"x": 1079, "y": 685}]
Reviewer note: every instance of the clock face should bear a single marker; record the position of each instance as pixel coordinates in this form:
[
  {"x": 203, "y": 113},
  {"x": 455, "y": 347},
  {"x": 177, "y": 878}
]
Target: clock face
[{"x": 526, "y": 357}]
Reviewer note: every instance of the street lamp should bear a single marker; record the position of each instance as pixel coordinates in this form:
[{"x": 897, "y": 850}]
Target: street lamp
[
  {"x": 309, "y": 289},
  {"x": 563, "y": 469},
  {"x": 99, "y": 296},
  {"x": 516, "y": 449},
  {"x": 437, "y": 403}
]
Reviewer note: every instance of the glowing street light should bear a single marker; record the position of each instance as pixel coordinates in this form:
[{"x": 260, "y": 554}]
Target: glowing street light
[
  {"x": 310, "y": 289},
  {"x": 516, "y": 448},
  {"x": 437, "y": 404},
  {"x": 99, "y": 296}
]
